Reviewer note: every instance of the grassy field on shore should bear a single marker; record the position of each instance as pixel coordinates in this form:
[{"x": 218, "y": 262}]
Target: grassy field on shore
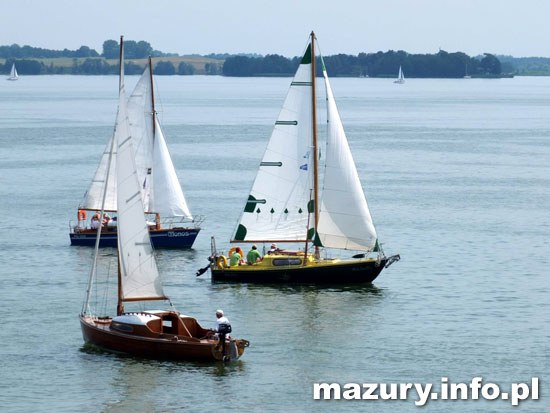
[{"x": 198, "y": 62}]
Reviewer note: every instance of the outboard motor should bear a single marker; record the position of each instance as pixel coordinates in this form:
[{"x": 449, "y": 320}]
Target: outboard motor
[{"x": 223, "y": 330}]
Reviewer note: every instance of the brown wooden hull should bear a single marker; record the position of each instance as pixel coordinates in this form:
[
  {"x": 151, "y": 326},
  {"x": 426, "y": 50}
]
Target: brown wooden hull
[{"x": 99, "y": 333}]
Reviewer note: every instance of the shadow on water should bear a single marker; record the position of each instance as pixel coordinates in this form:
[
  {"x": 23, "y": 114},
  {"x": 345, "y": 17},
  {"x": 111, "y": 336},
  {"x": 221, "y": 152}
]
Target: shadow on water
[
  {"x": 211, "y": 367},
  {"x": 359, "y": 288}
]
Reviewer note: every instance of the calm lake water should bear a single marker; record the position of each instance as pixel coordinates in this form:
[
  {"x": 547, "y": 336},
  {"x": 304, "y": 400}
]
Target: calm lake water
[{"x": 457, "y": 175}]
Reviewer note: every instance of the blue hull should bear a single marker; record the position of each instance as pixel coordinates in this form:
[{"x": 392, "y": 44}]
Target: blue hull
[{"x": 164, "y": 238}]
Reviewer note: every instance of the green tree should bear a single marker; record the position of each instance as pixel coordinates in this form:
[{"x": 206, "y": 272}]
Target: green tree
[
  {"x": 212, "y": 68},
  {"x": 185, "y": 69},
  {"x": 85, "y": 51},
  {"x": 164, "y": 68},
  {"x": 490, "y": 65},
  {"x": 111, "y": 49}
]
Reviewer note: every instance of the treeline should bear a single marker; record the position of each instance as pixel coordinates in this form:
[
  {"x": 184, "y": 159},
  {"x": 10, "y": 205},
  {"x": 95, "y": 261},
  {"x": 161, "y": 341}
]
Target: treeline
[
  {"x": 111, "y": 50},
  {"x": 99, "y": 66},
  {"x": 439, "y": 65},
  {"x": 528, "y": 66},
  {"x": 381, "y": 64}
]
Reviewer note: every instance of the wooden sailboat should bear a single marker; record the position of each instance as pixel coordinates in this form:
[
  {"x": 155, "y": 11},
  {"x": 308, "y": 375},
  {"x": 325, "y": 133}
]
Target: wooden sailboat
[
  {"x": 400, "y": 77},
  {"x": 171, "y": 224},
  {"x": 284, "y": 205},
  {"x": 13, "y": 73},
  {"x": 155, "y": 334}
]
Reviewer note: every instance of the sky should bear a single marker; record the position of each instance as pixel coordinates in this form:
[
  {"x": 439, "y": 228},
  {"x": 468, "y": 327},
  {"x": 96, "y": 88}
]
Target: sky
[{"x": 508, "y": 27}]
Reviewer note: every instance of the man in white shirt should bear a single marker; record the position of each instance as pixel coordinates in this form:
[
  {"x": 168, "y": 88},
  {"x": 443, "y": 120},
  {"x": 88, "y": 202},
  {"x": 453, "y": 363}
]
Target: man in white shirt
[{"x": 220, "y": 320}]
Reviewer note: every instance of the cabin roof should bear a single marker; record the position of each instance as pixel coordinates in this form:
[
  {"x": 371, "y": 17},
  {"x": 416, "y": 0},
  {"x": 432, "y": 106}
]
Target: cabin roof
[{"x": 136, "y": 318}]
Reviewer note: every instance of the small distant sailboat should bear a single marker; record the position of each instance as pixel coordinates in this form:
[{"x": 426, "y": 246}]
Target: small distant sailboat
[
  {"x": 13, "y": 73},
  {"x": 285, "y": 206},
  {"x": 466, "y": 75},
  {"x": 400, "y": 77},
  {"x": 152, "y": 334},
  {"x": 160, "y": 189}
]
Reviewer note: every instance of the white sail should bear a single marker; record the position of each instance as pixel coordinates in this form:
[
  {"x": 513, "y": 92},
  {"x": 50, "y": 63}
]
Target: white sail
[
  {"x": 344, "y": 219},
  {"x": 139, "y": 274},
  {"x": 277, "y": 207},
  {"x": 13, "y": 73},
  {"x": 400, "y": 76},
  {"x": 140, "y": 118},
  {"x": 167, "y": 197},
  {"x": 94, "y": 195},
  {"x": 161, "y": 190},
  {"x": 163, "y": 194}
]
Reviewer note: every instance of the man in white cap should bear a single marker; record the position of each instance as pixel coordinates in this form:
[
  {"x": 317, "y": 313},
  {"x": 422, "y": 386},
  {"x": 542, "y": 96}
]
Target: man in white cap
[
  {"x": 220, "y": 320},
  {"x": 273, "y": 249}
]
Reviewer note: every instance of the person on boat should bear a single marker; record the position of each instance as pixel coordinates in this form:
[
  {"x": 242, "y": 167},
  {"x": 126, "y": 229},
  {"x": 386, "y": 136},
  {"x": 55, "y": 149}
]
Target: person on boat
[
  {"x": 273, "y": 249},
  {"x": 112, "y": 223},
  {"x": 236, "y": 258},
  {"x": 220, "y": 319},
  {"x": 106, "y": 219},
  {"x": 95, "y": 221},
  {"x": 253, "y": 255}
]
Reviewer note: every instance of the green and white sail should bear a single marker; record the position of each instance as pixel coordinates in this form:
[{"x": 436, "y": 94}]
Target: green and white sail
[
  {"x": 277, "y": 207},
  {"x": 282, "y": 193},
  {"x": 140, "y": 278},
  {"x": 344, "y": 218}
]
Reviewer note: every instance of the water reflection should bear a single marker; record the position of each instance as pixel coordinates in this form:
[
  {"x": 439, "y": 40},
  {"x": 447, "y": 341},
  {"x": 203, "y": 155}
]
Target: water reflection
[
  {"x": 359, "y": 288},
  {"x": 136, "y": 383}
]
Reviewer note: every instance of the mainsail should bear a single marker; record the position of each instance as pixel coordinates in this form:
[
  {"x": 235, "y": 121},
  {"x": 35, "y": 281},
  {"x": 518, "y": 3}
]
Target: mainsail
[
  {"x": 277, "y": 207},
  {"x": 140, "y": 278}
]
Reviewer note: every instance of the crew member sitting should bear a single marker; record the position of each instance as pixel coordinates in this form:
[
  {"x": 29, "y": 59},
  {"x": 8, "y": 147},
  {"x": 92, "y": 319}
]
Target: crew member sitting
[
  {"x": 95, "y": 221},
  {"x": 273, "y": 249},
  {"x": 236, "y": 257},
  {"x": 253, "y": 255}
]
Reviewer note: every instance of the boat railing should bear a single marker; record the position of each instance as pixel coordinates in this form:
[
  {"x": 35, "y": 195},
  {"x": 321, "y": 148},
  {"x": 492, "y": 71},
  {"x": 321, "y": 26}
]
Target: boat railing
[
  {"x": 179, "y": 222},
  {"x": 76, "y": 226}
]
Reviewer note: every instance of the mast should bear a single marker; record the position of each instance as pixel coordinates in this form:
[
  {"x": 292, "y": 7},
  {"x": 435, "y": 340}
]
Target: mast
[
  {"x": 98, "y": 234},
  {"x": 120, "y": 307},
  {"x": 157, "y": 215},
  {"x": 152, "y": 96},
  {"x": 314, "y": 120}
]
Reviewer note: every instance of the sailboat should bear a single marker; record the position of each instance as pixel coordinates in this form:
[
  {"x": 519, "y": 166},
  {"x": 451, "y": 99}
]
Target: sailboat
[
  {"x": 160, "y": 188},
  {"x": 400, "y": 77},
  {"x": 284, "y": 205},
  {"x": 154, "y": 334},
  {"x": 13, "y": 73},
  {"x": 466, "y": 75}
]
